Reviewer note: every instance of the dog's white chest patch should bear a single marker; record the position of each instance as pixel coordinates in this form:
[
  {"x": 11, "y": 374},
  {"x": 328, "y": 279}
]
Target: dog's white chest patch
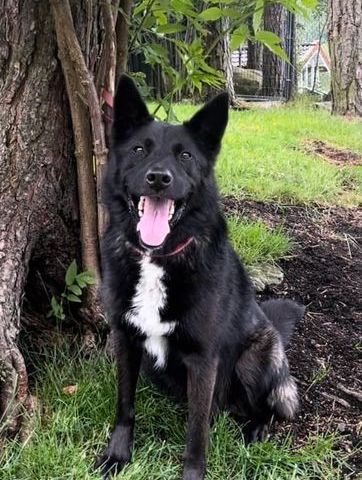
[{"x": 148, "y": 301}]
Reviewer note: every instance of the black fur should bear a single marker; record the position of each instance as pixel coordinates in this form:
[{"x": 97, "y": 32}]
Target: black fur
[
  {"x": 225, "y": 351},
  {"x": 284, "y": 315}
]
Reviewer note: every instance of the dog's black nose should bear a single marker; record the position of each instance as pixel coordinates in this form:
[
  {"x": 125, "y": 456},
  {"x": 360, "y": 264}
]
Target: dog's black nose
[{"x": 159, "y": 179}]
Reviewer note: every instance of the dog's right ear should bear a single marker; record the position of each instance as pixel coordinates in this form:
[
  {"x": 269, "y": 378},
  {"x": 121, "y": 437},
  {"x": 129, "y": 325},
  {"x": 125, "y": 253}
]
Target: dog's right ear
[
  {"x": 208, "y": 125},
  {"x": 129, "y": 110}
]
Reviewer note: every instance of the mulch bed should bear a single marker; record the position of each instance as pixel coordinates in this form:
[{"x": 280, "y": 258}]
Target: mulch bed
[
  {"x": 334, "y": 155},
  {"x": 324, "y": 273}
]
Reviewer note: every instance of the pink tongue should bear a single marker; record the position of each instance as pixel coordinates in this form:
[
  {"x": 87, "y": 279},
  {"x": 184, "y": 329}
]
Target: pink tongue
[{"x": 153, "y": 225}]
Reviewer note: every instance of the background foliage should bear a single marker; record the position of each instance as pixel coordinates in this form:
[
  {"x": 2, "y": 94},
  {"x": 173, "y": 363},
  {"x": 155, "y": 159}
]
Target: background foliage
[{"x": 173, "y": 36}]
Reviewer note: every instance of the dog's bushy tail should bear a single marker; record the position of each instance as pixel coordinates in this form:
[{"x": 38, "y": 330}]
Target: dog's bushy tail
[{"x": 284, "y": 315}]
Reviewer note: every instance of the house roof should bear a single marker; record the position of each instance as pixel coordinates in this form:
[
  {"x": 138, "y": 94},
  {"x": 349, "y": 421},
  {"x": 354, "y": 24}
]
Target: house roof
[{"x": 308, "y": 52}]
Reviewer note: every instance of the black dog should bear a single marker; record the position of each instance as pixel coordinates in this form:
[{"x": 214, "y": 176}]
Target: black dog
[{"x": 174, "y": 289}]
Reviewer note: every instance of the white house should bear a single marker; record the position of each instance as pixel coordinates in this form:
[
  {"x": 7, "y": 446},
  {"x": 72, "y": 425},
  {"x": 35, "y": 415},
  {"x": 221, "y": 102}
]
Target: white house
[{"x": 314, "y": 67}]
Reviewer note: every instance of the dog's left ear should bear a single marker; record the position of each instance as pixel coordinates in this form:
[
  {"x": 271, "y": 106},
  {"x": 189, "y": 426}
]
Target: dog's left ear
[
  {"x": 129, "y": 110},
  {"x": 208, "y": 124}
]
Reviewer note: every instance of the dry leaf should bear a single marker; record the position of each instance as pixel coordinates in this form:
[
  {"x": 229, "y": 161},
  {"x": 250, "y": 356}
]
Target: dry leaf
[{"x": 70, "y": 389}]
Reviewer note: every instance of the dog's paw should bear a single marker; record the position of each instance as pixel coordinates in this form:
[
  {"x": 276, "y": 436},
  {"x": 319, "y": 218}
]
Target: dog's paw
[
  {"x": 256, "y": 433},
  {"x": 110, "y": 465}
]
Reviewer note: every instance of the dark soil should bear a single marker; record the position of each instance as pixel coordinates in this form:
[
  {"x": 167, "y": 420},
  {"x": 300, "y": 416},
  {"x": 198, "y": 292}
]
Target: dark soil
[
  {"x": 331, "y": 154},
  {"x": 324, "y": 273}
]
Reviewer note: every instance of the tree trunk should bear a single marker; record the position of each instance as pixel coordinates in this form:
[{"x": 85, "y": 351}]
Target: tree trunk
[
  {"x": 255, "y": 51},
  {"x": 255, "y": 55},
  {"x": 39, "y": 213},
  {"x": 220, "y": 56},
  {"x": 227, "y": 62},
  {"x": 273, "y": 66},
  {"x": 36, "y": 175},
  {"x": 345, "y": 45},
  {"x": 291, "y": 51}
]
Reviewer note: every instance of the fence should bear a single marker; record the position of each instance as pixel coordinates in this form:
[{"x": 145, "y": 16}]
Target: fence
[{"x": 260, "y": 75}]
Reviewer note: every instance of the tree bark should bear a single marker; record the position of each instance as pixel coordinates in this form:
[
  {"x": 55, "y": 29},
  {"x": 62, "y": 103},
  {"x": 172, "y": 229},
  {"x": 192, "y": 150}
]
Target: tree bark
[
  {"x": 37, "y": 188},
  {"x": 273, "y": 66},
  {"x": 255, "y": 51},
  {"x": 122, "y": 29},
  {"x": 345, "y": 45},
  {"x": 291, "y": 51},
  {"x": 227, "y": 62},
  {"x": 220, "y": 56},
  {"x": 255, "y": 55}
]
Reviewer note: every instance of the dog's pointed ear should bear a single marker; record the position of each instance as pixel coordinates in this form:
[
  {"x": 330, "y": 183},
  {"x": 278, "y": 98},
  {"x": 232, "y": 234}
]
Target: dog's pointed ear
[
  {"x": 129, "y": 110},
  {"x": 208, "y": 124}
]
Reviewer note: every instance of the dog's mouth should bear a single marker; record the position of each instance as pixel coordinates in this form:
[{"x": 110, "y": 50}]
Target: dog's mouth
[{"x": 155, "y": 216}]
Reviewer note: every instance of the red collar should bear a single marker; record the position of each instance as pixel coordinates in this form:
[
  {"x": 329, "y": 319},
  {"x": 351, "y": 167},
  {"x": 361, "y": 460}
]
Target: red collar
[{"x": 176, "y": 251}]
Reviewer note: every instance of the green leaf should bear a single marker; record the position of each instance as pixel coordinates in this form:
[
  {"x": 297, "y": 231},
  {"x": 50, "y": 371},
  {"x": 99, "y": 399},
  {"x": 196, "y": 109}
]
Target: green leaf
[
  {"x": 81, "y": 283},
  {"x": 170, "y": 28},
  {"x": 231, "y": 12},
  {"x": 161, "y": 16},
  {"x": 310, "y": 3},
  {"x": 268, "y": 38},
  {"x": 258, "y": 15},
  {"x": 73, "y": 298},
  {"x": 140, "y": 8},
  {"x": 54, "y": 304},
  {"x": 86, "y": 277},
  {"x": 71, "y": 273},
  {"x": 149, "y": 22},
  {"x": 159, "y": 50},
  {"x": 89, "y": 279},
  {"x": 238, "y": 37},
  {"x": 185, "y": 7},
  {"x": 57, "y": 309},
  {"x": 272, "y": 41},
  {"x": 75, "y": 289},
  {"x": 211, "y": 14},
  {"x": 222, "y": 1},
  {"x": 277, "y": 49}
]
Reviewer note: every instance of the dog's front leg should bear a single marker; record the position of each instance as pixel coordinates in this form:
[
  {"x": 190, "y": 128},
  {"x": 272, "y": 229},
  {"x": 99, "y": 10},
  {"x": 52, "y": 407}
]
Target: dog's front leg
[
  {"x": 118, "y": 453},
  {"x": 201, "y": 376}
]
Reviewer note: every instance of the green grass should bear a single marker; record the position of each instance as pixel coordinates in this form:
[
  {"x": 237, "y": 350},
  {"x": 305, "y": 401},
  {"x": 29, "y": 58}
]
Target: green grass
[
  {"x": 69, "y": 431},
  {"x": 263, "y": 158},
  {"x": 255, "y": 242}
]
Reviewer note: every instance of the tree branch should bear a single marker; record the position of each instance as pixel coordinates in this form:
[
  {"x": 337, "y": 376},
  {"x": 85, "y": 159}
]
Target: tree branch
[
  {"x": 122, "y": 31},
  {"x": 107, "y": 65},
  {"x": 80, "y": 84}
]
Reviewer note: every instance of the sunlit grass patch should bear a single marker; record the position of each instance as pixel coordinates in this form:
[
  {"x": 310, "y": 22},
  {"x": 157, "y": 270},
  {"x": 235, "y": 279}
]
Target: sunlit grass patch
[
  {"x": 255, "y": 242},
  {"x": 263, "y": 156}
]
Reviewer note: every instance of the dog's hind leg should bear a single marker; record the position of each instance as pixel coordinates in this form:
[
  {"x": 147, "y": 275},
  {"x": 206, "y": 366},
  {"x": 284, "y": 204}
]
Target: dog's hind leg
[{"x": 266, "y": 385}]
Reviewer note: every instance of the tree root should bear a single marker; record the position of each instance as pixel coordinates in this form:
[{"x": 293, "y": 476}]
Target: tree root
[
  {"x": 14, "y": 401},
  {"x": 352, "y": 393}
]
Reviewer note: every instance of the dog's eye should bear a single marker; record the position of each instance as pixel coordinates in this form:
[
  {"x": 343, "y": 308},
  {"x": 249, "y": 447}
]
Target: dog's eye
[
  {"x": 138, "y": 150},
  {"x": 185, "y": 156}
]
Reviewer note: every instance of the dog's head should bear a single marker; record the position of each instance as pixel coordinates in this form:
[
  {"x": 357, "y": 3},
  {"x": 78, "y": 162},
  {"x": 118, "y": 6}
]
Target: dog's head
[{"x": 159, "y": 173}]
